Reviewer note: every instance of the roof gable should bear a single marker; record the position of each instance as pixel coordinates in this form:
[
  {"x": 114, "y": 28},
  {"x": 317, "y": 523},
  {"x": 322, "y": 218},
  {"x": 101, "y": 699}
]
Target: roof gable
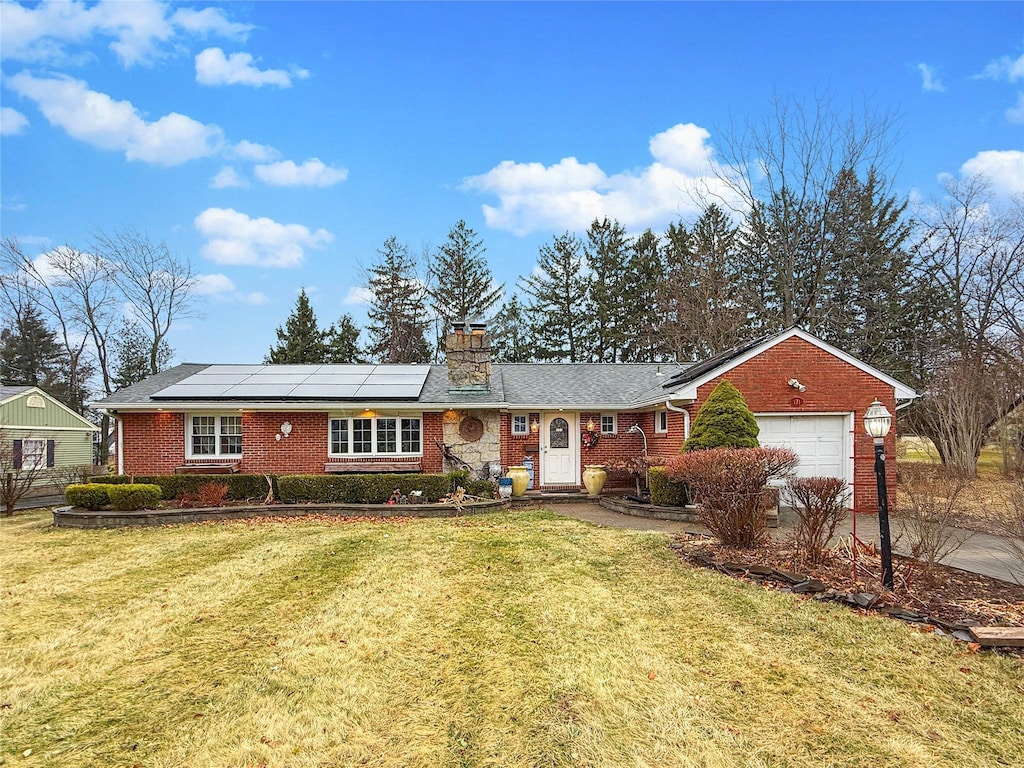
[
  {"x": 22, "y": 404},
  {"x": 684, "y": 386}
]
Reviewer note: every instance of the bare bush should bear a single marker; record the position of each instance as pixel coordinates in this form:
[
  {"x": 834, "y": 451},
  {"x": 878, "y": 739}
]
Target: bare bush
[
  {"x": 820, "y": 506},
  {"x": 729, "y": 487},
  {"x": 206, "y": 495},
  {"x": 927, "y": 512},
  {"x": 1011, "y": 526}
]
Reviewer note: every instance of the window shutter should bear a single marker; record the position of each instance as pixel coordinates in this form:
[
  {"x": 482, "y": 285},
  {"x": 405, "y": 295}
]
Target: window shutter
[
  {"x": 50, "y": 446},
  {"x": 17, "y": 454}
]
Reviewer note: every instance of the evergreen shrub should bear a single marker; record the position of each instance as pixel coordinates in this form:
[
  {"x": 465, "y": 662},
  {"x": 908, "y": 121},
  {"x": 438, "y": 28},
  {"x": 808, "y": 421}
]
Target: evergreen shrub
[
  {"x": 358, "y": 489},
  {"x": 130, "y": 496},
  {"x": 724, "y": 421},
  {"x": 240, "y": 487},
  {"x": 666, "y": 492},
  {"x": 87, "y": 496}
]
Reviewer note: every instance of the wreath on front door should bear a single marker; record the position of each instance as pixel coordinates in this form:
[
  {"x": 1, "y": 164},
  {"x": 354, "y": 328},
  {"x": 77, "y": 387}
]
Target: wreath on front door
[{"x": 589, "y": 438}]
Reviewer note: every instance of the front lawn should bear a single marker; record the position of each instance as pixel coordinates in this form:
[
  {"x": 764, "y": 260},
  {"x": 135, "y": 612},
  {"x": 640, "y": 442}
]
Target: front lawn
[{"x": 519, "y": 639}]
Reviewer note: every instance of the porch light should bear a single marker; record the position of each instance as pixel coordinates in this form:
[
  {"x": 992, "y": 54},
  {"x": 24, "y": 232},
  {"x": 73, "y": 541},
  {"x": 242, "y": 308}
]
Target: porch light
[
  {"x": 534, "y": 426},
  {"x": 590, "y": 425},
  {"x": 877, "y": 422}
]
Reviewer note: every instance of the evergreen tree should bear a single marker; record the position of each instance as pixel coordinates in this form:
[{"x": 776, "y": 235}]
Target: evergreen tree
[
  {"x": 29, "y": 352},
  {"x": 462, "y": 285},
  {"x": 643, "y": 278},
  {"x": 341, "y": 342},
  {"x": 398, "y": 310},
  {"x": 301, "y": 340},
  {"x": 607, "y": 250},
  {"x": 558, "y": 310},
  {"x": 131, "y": 358},
  {"x": 724, "y": 421},
  {"x": 704, "y": 312},
  {"x": 510, "y": 336}
]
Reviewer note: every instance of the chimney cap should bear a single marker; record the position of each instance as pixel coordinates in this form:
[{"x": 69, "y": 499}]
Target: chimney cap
[{"x": 465, "y": 326}]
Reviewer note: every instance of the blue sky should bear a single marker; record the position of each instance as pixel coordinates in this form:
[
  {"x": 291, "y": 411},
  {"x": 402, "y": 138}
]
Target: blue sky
[{"x": 278, "y": 145}]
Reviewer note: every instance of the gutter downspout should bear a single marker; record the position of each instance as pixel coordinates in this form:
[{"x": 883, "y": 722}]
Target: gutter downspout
[
  {"x": 686, "y": 417},
  {"x": 120, "y": 446}
]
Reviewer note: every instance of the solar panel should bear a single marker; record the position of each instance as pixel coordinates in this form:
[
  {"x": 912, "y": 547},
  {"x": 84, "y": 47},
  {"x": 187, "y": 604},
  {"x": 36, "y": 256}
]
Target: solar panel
[{"x": 276, "y": 382}]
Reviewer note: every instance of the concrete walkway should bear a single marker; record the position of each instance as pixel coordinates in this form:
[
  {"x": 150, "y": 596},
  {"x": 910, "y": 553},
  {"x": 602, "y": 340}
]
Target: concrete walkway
[{"x": 980, "y": 553}]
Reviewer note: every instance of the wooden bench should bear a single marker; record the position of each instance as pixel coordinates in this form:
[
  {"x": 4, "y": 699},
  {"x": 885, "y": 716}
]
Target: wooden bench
[
  {"x": 362, "y": 467},
  {"x": 207, "y": 469}
]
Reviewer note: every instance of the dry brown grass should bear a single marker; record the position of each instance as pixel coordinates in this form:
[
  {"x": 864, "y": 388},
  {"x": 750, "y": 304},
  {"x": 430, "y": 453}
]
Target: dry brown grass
[{"x": 504, "y": 640}]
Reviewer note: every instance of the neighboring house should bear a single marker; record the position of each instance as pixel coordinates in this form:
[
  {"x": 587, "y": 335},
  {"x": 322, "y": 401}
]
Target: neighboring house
[
  {"x": 356, "y": 418},
  {"x": 40, "y": 432}
]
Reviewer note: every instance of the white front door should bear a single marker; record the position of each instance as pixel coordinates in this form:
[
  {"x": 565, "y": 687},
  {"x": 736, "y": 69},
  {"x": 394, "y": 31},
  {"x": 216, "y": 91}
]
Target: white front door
[{"x": 560, "y": 443}]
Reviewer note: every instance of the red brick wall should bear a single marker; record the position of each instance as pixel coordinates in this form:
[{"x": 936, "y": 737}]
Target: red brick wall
[
  {"x": 833, "y": 386},
  {"x": 154, "y": 443}
]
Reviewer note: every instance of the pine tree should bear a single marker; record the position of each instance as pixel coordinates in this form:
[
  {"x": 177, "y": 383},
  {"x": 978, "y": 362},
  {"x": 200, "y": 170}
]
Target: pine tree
[
  {"x": 131, "y": 355},
  {"x": 301, "y": 340},
  {"x": 462, "y": 284},
  {"x": 29, "y": 352},
  {"x": 643, "y": 278},
  {"x": 724, "y": 421},
  {"x": 607, "y": 250},
  {"x": 398, "y": 310},
  {"x": 341, "y": 342},
  {"x": 510, "y": 336},
  {"x": 558, "y": 310}
]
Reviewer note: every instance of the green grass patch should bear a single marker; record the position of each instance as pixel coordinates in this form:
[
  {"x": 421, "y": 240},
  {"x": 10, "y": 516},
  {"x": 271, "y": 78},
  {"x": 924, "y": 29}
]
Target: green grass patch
[{"x": 516, "y": 639}]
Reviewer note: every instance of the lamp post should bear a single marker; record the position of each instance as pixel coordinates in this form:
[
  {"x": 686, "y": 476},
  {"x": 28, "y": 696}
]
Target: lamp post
[{"x": 877, "y": 421}]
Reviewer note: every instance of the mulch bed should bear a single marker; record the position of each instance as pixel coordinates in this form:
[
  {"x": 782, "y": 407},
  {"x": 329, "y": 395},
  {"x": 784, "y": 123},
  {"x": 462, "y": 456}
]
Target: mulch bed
[{"x": 946, "y": 598}]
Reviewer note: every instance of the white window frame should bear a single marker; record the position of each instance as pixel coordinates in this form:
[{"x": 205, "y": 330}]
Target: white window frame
[
  {"x": 615, "y": 423},
  {"x": 32, "y": 461},
  {"x": 218, "y": 433},
  {"x": 398, "y": 417},
  {"x": 526, "y": 424},
  {"x": 661, "y": 421}
]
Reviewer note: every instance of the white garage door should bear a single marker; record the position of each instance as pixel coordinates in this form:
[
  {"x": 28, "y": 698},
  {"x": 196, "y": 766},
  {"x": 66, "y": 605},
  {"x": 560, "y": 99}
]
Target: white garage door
[{"x": 819, "y": 441}]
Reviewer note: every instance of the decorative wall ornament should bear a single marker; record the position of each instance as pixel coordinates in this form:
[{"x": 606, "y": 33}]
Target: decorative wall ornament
[{"x": 471, "y": 429}]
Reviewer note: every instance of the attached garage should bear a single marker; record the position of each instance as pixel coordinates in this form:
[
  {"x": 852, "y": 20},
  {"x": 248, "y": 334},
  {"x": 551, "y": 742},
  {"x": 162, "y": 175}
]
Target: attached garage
[{"x": 823, "y": 442}]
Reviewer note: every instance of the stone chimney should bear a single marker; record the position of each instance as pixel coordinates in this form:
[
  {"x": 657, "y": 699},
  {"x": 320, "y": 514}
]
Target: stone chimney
[{"x": 468, "y": 350}]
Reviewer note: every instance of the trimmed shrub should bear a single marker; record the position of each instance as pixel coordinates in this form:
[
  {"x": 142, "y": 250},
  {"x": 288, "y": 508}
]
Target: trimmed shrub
[
  {"x": 130, "y": 496},
  {"x": 240, "y": 487},
  {"x": 724, "y": 421},
  {"x": 358, "y": 489},
  {"x": 729, "y": 488},
  {"x": 665, "y": 492},
  {"x": 87, "y": 496},
  {"x": 484, "y": 489},
  {"x": 820, "y": 506}
]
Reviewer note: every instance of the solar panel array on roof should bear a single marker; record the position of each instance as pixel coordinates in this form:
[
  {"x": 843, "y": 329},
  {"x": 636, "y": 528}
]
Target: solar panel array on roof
[{"x": 300, "y": 382}]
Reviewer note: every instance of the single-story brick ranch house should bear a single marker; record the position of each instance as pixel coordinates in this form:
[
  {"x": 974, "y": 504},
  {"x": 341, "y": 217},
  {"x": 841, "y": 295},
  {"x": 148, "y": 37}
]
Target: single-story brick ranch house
[{"x": 287, "y": 419}]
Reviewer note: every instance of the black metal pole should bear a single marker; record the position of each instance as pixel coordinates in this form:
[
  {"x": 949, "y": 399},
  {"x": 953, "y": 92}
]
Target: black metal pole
[{"x": 883, "y": 513}]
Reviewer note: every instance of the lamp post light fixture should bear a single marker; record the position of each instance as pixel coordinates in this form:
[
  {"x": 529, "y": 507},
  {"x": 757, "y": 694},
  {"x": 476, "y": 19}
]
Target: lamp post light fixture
[{"x": 877, "y": 422}]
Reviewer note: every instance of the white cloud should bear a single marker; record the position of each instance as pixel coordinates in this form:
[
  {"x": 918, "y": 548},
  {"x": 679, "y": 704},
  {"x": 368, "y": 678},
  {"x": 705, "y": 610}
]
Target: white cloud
[
  {"x": 228, "y": 177},
  {"x": 1004, "y": 170},
  {"x": 570, "y": 194},
  {"x": 1015, "y": 114},
  {"x": 312, "y": 173},
  {"x": 359, "y": 295},
  {"x": 930, "y": 82},
  {"x": 250, "y": 150},
  {"x": 235, "y": 238},
  {"x": 255, "y": 298},
  {"x": 212, "y": 285},
  {"x": 1005, "y": 68},
  {"x": 97, "y": 119},
  {"x": 12, "y": 122},
  {"x": 214, "y": 68},
  {"x": 140, "y": 31}
]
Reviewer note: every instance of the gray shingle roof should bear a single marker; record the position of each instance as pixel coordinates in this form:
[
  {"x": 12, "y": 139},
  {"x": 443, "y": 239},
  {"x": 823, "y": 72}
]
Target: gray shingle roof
[
  {"x": 539, "y": 385},
  {"x": 11, "y": 390}
]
